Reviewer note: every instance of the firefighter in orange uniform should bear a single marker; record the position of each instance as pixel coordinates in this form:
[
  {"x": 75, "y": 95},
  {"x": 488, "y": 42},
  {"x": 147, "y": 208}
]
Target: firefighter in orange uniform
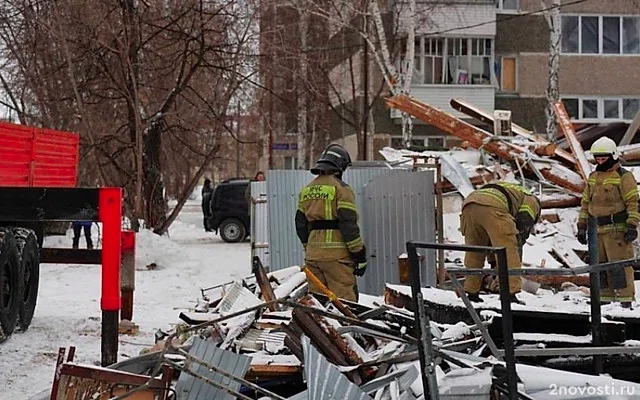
[
  {"x": 327, "y": 225},
  {"x": 611, "y": 196},
  {"x": 499, "y": 215}
]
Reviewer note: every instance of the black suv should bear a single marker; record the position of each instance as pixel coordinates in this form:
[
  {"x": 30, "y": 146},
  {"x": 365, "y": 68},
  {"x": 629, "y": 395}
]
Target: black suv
[{"x": 230, "y": 210}]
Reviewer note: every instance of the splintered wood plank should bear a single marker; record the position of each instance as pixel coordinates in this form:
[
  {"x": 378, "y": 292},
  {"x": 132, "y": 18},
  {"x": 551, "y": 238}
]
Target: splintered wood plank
[
  {"x": 487, "y": 118},
  {"x": 479, "y": 138},
  {"x": 567, "y": 128}
]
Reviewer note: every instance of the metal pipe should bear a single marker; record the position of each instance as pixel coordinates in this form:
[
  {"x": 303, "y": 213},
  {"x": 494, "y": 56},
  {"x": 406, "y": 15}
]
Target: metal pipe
[
  {"x": 476, "y": 317},
  {"x": 422, "y": 328},
  {"x": 577, "y": 351},
  {"x": 507, "y": 324},
  {"x": 440, "y": 218},
  {"x": 594, "y": 290}
]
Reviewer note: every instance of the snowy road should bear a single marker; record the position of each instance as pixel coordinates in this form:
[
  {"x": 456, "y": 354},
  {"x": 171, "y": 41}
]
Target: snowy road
[{"x": 68, "y": 311}]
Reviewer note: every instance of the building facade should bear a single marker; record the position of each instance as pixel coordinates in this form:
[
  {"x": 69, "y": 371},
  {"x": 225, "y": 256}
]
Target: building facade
[{"x": 600, "y": 51}]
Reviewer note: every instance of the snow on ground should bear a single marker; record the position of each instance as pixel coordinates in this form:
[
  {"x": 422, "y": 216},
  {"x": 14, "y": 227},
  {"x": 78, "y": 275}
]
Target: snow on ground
[{"x": 68, "y": 310}]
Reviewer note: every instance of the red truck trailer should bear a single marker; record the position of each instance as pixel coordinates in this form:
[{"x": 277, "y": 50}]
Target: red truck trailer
[{"x": 38, "y": 184}]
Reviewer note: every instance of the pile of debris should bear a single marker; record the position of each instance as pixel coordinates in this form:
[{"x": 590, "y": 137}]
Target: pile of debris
[
  {"x": 557, "y": 176},
  {"x": 267, "y": 337}
]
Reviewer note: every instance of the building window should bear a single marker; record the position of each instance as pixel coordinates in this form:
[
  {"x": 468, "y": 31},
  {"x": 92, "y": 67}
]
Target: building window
[
  {"x": 436, "y": 142},
  {"x": 601, "y": 109},
  {"x": 453, "y": 61},
  {"x": 506, "y": 73},
  {"x": 291, "y": 163},
  {"x": 396, "y": 143},
  {"x": 508, "y": 5},
  {"x": 629, "y": 108},
  {"x": 600, "y": 35}
]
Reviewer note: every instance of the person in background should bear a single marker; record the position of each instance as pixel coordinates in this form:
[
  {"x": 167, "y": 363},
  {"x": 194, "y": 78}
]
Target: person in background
[
  {"x": 78, "y": 227},
  {"x": 207, "y": 191},
  {"x": 611, "y": 196},
  {"x": 258, "y": 178}
]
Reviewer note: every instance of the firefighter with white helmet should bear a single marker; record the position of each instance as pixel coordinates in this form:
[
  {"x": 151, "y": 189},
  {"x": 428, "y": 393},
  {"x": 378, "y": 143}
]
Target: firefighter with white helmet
[
  {"x": 611, "y": 197},
  {"x": 327, "y": 225}
]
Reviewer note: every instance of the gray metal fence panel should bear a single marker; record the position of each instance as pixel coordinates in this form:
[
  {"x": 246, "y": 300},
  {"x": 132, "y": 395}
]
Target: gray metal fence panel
[
  {"x": 259, "y": 223},
  {"x": 398, "y": 207},
  {"x": 324, "y": 380},
  {"x": 283, "y": 187},
  {"x": 190, "y": 387},
  {"x": 405, "y": 198}
]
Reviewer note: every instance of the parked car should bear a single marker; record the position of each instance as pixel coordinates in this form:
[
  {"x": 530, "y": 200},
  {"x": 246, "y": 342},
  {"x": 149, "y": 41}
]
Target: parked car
[{"x": 230, "y": 210}]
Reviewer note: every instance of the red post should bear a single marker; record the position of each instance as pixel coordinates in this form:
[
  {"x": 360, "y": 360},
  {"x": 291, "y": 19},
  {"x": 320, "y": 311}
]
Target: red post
[{"x": 110, "y": 214}]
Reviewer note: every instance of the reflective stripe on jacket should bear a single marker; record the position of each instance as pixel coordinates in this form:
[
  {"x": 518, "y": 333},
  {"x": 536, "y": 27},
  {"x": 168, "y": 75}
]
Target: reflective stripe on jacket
[
  {"x": 610, "y": 192},
  {"x": 327, "y": 198}
]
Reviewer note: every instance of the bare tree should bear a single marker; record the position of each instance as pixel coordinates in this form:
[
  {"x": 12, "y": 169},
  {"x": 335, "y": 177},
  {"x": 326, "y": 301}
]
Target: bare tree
[
  {"x": 554, "y": 21},
  {"x": 138, "y": 80}
]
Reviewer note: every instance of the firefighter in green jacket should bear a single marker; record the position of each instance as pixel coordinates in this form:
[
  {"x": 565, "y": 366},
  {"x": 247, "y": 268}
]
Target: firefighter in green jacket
[
  {"x": 499, "y": 215},
  {"x": 611, "y": 196},
  {"x": 327, "y": 225}
]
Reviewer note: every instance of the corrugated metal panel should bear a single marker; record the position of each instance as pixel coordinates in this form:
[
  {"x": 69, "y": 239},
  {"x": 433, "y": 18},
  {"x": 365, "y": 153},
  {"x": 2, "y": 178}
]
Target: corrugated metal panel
[
  {"x": 283, "y": 187},
  {"x": 408, "y": 219},
  {"x": 189, "y": 387},
  {"x": 324, "y": 380},
  {"x": 399, "y": 207},
  {"x": 439, "y": 96},
  {"x": 32, "y": 156},
  {"x": 260, "y": 223}
]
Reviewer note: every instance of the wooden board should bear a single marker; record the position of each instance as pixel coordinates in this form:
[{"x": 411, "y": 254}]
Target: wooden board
[{"x": 570, "y": 134}]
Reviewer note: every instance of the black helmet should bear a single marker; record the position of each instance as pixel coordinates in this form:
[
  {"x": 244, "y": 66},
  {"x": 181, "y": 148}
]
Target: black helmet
[{"x": 333, "y": 159}]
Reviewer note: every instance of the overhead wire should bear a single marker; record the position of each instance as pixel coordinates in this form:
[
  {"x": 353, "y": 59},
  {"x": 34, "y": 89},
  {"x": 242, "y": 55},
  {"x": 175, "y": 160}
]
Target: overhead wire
[{"x": 503, "y": 18}]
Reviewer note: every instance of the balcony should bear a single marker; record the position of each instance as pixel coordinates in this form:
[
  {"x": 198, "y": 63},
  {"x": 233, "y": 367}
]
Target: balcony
[{"x": 481, "y": 96}]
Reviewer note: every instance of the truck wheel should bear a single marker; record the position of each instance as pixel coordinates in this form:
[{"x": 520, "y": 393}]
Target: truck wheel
[
  {"x": 28, "y": 248},
  {"x": 11, "y": 284},
  {"x": 232, "y": 230}
]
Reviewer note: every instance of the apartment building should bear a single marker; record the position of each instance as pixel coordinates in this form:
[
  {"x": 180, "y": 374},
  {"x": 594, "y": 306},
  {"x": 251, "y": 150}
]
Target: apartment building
[
  {"x": 599, "y": 74},
  {"x": 495, "y": 55}
]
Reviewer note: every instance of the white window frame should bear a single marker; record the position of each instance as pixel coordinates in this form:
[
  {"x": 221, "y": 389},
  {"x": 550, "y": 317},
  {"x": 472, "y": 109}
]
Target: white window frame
[
  {"x": 601, "y": 99},
  {"x": 419, "y": 61},
  {"x": 600, "y": 52},
  {"x": 502, "y": 10},
  {"x": 294, "y": 162}
]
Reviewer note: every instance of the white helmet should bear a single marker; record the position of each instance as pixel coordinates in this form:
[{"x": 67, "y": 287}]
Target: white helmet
[{"x": 604, "y": 145}]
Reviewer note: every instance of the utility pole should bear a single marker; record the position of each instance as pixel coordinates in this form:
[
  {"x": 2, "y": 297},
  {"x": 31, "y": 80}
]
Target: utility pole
[
  {"x": 238, "y": 141},
  {"x": 365, "y": 108}
]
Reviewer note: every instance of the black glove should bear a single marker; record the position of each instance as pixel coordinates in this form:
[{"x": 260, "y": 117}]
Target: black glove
[
  {"x": 632, "y": 233},
  {"x": 524, "y": 225},
  {"x": 582, "y": 235},
  {"x": 360, "y": 259}
]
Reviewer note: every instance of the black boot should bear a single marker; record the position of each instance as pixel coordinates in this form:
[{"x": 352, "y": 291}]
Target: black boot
[
  {"x": 514, "y": 299},
  {"x": 474, "y": 298}
]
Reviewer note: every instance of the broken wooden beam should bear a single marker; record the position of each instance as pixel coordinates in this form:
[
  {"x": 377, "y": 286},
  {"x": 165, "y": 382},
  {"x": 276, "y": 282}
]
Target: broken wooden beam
[
  {"x": 560, "y": 202},
  {"x": 345, "y": 348},
  {"x": 481, "y": 139},
  {"x": 546, "y": 146},
  {"x": 264, "y": 372},
  {"x": 263, "y": 282},
  {"x": 570, "y": 134}
]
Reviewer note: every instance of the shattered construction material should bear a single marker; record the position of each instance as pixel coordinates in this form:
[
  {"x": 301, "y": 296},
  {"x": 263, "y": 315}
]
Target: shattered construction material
[{"x": 481, "y": 139}]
